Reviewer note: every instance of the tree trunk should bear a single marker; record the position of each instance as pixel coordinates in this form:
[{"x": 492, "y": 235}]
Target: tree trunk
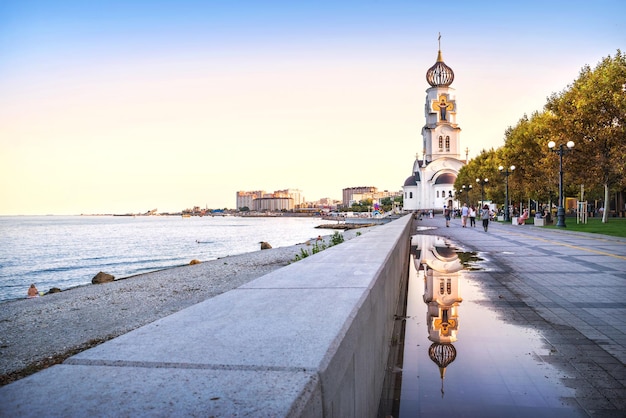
[{"x": 605, "y": 212}]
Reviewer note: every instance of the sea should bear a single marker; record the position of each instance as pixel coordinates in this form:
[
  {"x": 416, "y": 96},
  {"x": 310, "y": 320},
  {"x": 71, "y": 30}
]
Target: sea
[{"x": 68, "y": 251}]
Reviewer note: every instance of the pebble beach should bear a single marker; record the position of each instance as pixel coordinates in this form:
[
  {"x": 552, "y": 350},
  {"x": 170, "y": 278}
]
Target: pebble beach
[{"x": 40, "y": 332}]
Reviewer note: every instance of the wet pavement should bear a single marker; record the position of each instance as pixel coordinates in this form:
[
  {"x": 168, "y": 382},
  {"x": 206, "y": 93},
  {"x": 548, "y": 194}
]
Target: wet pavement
[{"x": 520, "y": 321}]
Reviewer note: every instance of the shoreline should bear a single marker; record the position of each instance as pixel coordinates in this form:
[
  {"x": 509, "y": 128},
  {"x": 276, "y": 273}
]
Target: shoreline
[
  {"x": 40, "y": 332},
  {"x": 77, "y": 286}
]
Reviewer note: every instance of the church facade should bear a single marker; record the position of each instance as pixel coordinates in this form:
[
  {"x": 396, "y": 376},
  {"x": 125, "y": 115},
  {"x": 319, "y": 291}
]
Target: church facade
[{"x": 431, "y": 185}]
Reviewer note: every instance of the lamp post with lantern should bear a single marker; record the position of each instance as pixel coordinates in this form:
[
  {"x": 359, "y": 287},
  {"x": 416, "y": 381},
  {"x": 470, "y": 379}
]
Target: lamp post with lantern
[
  {"x": 560, "y": 151},
  {"x": 466, "y": 190},
  {"x": 482, "y": 183},
  {"x": 506, "y": 172}
]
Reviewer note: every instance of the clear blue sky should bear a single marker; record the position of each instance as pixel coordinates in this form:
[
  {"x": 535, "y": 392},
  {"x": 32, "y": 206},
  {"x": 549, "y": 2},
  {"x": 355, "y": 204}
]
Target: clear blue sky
[{"x": 122, "y": 106}]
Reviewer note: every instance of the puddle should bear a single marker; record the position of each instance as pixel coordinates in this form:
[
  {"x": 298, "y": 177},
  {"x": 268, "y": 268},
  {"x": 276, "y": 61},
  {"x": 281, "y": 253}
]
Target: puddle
[
  {"x": 456, "y": 357},
  {"x": 425, "y": 228}
]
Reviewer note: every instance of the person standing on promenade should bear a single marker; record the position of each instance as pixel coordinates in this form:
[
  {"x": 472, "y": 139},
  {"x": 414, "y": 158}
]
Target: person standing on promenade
[
  {"x": 472, "y": 216},
  {"x": 464, "y": 213},
  {"x": 446, "y": 214},
  {"x": 484, "y": 215}
]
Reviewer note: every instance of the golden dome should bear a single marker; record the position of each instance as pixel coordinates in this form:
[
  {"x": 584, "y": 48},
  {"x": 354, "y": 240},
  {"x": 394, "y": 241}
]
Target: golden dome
[{"x": 440, "y": 75}]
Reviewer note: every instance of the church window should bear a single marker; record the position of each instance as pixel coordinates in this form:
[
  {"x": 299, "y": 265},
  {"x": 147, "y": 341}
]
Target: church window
[
  {"x": 437, "y": 193},
  {"x": 410, "y": 195},
  {"x": 447, "y": 143},
  {"x": 441, "y": 142}
]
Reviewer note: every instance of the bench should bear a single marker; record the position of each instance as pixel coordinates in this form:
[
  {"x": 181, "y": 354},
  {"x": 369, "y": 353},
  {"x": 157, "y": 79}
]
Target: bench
[{"x": 540, "y": 222}]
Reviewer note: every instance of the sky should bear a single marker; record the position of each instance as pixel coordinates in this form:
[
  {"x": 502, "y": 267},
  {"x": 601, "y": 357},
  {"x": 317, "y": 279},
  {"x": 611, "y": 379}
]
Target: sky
[{"x": 128, "y": 106}]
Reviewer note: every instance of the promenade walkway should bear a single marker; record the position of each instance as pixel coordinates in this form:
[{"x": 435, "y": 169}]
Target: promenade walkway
[{"x": 569, "y": 286}]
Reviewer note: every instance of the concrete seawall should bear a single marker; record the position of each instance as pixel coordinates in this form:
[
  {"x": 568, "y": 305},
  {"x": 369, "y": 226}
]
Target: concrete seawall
[{"x": 308, "y": 340}]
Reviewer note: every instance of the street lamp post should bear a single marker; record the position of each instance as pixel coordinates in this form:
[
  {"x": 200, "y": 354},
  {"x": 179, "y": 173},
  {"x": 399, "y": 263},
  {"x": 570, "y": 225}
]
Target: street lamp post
[
  {"x": 560, "y": 211},
  {"x": 482, "y": 190},
  {"x": 469, "y": 188},
  {"x": 506, "y": 172}
]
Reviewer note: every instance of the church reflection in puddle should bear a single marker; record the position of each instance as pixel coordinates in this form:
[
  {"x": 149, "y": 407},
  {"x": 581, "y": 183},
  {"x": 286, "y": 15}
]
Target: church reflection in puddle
[
  {"x": 487, "y": 367},
  {"x": 440, "y": 266}
]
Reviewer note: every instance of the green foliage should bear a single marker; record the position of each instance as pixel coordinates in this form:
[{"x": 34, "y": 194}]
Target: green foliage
[
  {"x": 303, "y": 254},
  {"x": 592, "y": 113},
  {"x": 362, "y": 206},
  {"x": 336, "y": 238},
  {"x": 386, "y": 204},
  {"x": 318, "y": 247}
]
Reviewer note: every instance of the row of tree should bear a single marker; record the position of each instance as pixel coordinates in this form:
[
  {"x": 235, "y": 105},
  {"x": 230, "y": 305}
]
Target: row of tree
[
  {"x": 591, "y": 112},
  {"x": 367, "y": 205}
]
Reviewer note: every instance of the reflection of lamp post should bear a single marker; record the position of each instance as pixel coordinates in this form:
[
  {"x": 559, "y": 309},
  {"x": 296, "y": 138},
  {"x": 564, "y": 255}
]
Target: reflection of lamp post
[
  {"x": 482, "y": 190},
  {"x": 560, "y": 211},
  {"x": 506, "y": 173}
]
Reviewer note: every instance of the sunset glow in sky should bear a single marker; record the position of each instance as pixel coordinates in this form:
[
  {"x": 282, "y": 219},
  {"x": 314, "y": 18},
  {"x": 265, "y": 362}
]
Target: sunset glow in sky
[{"x": 127, "y": 106}]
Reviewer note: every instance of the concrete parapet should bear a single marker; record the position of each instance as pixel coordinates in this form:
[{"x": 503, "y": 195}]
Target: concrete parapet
[{"x": 308, "y": 340}]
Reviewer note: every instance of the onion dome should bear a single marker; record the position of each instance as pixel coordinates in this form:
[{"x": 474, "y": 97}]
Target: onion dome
[
  {"x": 412, "y": 180},
  {"x": 442, "y": 355},
  {"x": 440, "y": 75}
]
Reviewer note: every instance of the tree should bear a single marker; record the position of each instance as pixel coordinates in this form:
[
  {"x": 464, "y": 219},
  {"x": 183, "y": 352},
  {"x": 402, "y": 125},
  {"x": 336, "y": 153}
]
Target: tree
[
  {"x": 483, "y": 166},
  {"x": 386, "y": 203},
  {"x": 526, "y": 147},
  {"x": 592, "y": 113}
]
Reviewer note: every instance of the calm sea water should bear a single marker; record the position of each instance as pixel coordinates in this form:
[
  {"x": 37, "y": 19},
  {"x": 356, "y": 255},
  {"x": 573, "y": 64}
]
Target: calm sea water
[{"x": 67, "y": 251}]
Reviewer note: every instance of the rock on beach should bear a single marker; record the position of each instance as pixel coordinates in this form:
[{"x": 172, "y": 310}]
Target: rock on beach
[{"x": 102, "y": 278}]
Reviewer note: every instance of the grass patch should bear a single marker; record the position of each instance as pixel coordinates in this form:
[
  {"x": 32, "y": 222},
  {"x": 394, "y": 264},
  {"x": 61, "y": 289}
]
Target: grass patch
[
  {"x": 614, "y": 226},
  {"x": 335, "y": 239}
]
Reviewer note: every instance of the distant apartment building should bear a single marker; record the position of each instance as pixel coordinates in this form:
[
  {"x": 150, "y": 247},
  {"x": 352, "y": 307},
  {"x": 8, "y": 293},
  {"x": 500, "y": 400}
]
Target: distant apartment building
[
  {"x": 348, "y": 194},
  {"x": 246, "y": 199},
  {"x": 295, "y": 194},
  {"x": 273, "y": 204},
  {"x": 261, "y": 201}
]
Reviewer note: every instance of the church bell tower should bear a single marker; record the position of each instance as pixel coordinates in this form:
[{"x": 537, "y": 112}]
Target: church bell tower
[
  {"x": 441, "y": 132},
  {"x": 431, "y": 185}
]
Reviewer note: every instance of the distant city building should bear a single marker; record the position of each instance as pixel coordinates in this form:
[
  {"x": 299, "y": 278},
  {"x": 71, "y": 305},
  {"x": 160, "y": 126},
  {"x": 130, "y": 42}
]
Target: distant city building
[
  {"x": 431, "y": 185},
  {"x": 246, "y": 199},
  {"x": 260, "y": 200},
  {"x": 349, "y": 192},
  {"x": 273, "y": 204},
  {"x": 295, "y": 194}
]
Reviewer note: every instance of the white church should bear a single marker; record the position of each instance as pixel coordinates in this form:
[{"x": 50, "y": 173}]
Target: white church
[{"x": 431, "y": 186}]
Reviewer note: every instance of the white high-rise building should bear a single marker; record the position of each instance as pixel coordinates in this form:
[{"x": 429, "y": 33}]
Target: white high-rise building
[{"x": 431, "y": 186}]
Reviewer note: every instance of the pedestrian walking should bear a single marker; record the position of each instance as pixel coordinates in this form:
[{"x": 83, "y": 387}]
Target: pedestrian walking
[
  {"x": 446, "y": 214},
  {"x": 472, "y": 216},
  {"x": 464, "y": 213},
  {"x": 484, "y": 215}
]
